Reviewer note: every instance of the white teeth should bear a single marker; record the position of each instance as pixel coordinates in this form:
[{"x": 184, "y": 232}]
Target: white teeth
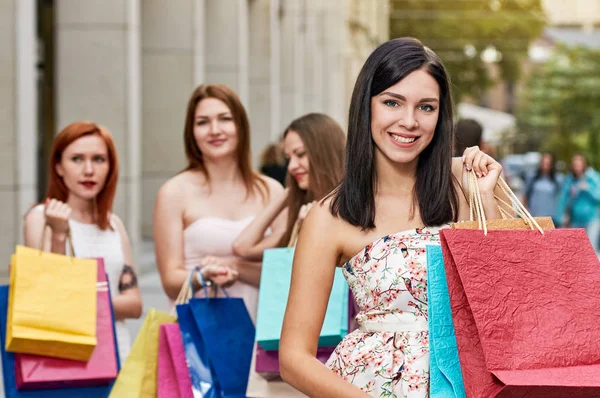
[{"x": 403, "y": 139}]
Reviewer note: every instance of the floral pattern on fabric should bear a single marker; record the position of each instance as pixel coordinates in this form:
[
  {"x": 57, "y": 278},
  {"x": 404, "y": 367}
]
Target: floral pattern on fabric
[{"x": 389, "y": 281}]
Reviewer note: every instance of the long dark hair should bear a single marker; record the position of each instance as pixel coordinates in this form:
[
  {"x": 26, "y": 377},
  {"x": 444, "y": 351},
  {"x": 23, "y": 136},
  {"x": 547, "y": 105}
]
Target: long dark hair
[
  {"x": 324, "y": 141},
  {"x": 434, "y": 191}
]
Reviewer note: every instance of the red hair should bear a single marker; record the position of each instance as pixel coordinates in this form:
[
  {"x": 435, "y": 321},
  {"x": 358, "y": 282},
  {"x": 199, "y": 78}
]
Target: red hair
[{"x": 57, "y": 188}]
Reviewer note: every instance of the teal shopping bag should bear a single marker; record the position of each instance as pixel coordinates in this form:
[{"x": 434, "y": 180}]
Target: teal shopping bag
[
  {"x": 445, "y": 376},
  {"x": 273, "y": 295}
]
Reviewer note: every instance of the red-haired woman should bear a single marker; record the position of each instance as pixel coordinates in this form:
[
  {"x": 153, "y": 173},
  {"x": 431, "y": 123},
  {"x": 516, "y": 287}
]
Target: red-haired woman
[
  {"x": 84, "y": 170},
  {"x": 201, "y": 211}
]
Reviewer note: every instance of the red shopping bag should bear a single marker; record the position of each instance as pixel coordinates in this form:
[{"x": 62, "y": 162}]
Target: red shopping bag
[
  {"x": 38, "y": 372},
  {"x": 526, "y": 310}
]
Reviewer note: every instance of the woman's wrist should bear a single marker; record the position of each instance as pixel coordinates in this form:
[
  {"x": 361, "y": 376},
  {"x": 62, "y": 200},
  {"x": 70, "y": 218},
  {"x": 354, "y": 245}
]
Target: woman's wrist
[
  {"x": 202, "y": 279},
  {"x": 60, "y": 237}
]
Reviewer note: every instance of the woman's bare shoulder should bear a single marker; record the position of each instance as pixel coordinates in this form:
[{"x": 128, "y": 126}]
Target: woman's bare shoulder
[
  {"x": 273, "y": 185},
  {"x": 180, "y": 183}
]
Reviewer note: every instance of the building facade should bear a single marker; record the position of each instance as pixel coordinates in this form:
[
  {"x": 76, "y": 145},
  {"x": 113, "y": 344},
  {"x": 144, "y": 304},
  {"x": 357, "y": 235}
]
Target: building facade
[{"x": 131, "y": 65}]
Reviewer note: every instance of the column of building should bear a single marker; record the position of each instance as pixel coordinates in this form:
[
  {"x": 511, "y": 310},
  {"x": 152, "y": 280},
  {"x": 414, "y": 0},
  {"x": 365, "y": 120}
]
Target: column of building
[
  {"x": 98, "y": 75},
  {"x": 18, "y": 121}
]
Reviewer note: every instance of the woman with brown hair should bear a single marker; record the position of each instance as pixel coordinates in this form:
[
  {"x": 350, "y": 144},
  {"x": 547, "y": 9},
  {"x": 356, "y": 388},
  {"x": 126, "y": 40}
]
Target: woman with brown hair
[
  {"x": 84, "y": 170},
  {"x": 200, "y": 211},
  {"x": 314, "y": 145}
]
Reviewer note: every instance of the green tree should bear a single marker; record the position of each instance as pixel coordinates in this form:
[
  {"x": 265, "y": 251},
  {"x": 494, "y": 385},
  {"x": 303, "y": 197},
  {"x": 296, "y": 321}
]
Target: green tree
[
  {"x": 558, "y": 110},
  {"x": 460, "y": 31}
]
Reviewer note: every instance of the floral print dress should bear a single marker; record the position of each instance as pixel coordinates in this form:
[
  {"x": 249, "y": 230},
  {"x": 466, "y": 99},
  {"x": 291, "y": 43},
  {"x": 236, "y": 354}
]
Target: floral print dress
[{"x": 388, "y": 356}]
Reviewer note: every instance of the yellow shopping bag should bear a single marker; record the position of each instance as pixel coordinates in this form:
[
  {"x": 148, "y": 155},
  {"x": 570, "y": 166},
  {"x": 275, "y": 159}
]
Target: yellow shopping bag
[
  {"x": 51, "y": 305},
  {"x": 137, "y": 378}
]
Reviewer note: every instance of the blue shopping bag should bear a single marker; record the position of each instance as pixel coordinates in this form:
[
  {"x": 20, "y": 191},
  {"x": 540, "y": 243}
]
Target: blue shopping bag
[
  {"x": 228, "y": 335},
  {"x": 275, "y": 284},
  {"x": 204, "y": 383},
  {"x": 445, "y": 376},
  {"x": 8, "y": 368}
]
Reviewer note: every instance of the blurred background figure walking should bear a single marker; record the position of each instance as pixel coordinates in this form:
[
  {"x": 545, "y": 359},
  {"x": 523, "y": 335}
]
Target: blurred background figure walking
[
  {"x": 272, "y": 162},
  {"x": 469, "y": 133},
  {"x": 578, "y": 205},
  {"x": 542, "y": 189}
]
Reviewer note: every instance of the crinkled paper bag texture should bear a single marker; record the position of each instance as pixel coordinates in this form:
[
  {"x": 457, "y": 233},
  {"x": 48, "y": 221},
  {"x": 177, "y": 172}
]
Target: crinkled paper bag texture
[
  {"x": 545, "y": 223},
  {"x": 525, "y": 310},
  {"x": 52, "y": 305},
  {"x": 137, "y": 378},
  {"x": 445, "y": 376}
]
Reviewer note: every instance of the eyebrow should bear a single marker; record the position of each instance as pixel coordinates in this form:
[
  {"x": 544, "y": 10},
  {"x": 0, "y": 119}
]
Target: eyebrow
[
  {"x": 402, "y": 98},
  {"x": 296, "y": 150},
  {"x": 220, "y": 114},
  {"x": 91, "y": 154}
]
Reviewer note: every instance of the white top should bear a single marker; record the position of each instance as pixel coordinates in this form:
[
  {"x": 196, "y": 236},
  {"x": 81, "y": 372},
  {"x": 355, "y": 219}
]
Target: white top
[{"x": 89, "y": 241}]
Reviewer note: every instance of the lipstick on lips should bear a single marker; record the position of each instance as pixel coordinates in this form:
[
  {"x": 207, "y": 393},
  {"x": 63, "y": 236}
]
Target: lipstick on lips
[
  {"x": 299, "y": 176},
  {"x": 88, "y": 184},
  {"x": 217, "y": 142}
]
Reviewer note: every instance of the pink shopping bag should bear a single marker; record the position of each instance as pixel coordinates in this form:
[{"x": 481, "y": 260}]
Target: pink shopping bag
[
  {"x": 34, "y": 372},
  {"x": 173, "y": 377}
]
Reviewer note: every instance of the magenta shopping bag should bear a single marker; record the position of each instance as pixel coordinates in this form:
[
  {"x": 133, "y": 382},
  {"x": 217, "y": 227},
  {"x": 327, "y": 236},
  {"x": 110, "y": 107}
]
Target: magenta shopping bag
[{"x": 173, "y": 378}]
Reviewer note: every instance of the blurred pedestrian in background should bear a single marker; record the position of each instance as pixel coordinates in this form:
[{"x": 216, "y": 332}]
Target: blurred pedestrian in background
[
  {"x": 579, "y": 201},
  {"x": 272, "y": 163},
  {"x": 84, "y": 170},
  {"x": 541, "y": 192},
  {"x": 468, "y": 133},
  {"x": 202, "y": 210}
]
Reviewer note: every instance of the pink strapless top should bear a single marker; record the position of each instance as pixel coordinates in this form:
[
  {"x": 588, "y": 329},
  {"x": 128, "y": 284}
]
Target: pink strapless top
[{"x": 211, "y": 236}]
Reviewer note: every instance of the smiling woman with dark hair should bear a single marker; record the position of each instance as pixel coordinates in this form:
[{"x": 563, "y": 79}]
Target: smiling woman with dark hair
[{"x": 400, "y": 188}]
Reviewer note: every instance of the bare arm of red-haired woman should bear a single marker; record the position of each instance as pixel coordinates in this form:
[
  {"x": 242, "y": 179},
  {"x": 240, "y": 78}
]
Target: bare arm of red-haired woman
[
  {"x": 55, "y": 218},
  {"x": 318, "y": 251},
  {"x": 252, "y": 242}
]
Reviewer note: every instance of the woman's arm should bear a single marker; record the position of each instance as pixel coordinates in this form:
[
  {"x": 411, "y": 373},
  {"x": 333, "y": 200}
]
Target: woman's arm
[
  {"x": 128, "y": 302},
  {"x": 247, "y": 271},
  {"x": 317, "y": 253},
  {"x": 168, "y": 239},
  {"x": 591, "y": 186},
  {"x": 54, "y": 217},
  {"x": 252, "y": 242}
]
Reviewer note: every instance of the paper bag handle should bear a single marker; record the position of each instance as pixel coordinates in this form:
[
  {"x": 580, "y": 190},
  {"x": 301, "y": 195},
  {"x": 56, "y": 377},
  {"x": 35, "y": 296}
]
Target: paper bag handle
[
  {"x": 69, "y": 240},
  {"x": 185, "y": 293},
  {"x": 187, "y": 290},
  {"x": 477, "y": 212},
  {"x": 295, "y": 233}
]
